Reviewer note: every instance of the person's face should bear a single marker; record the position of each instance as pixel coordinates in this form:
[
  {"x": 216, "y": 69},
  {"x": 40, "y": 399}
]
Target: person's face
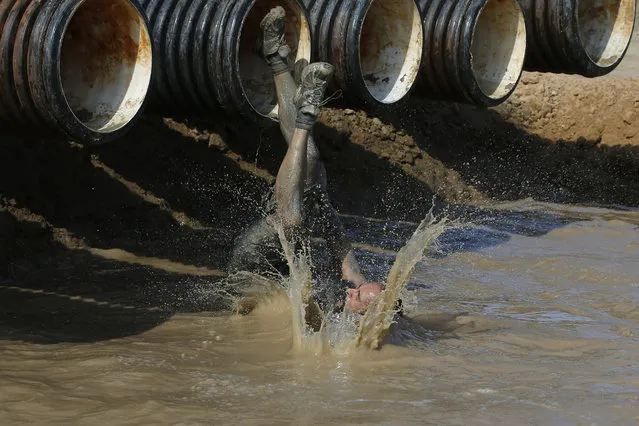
[{"x": 358, "y": 299}]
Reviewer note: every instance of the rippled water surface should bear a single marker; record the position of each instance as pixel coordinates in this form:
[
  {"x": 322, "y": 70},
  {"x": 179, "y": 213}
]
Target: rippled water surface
[{"x": 527, "y": 314}]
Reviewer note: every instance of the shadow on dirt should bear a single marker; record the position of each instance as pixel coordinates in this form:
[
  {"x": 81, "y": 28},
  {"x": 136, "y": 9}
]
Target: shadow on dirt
[
  {"x": 76, "y": 297},
  {"x": 184, "y": 192},
  {"x": 508, "y": 163}
]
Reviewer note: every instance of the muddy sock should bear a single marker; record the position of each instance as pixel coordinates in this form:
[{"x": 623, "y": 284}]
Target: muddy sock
[
  {"x": 305, "y": 121},
  {"x": 278, "y": 65}
]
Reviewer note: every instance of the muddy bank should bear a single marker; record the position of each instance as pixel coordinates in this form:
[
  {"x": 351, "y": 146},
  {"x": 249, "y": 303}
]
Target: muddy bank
[
  {"x": 572, "y": 108},
  {"x": 181, "y": 189}
]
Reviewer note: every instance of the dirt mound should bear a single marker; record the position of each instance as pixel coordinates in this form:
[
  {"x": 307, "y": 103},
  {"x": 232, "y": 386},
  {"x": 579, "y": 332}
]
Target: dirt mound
[{"x": 560, "y": 107}]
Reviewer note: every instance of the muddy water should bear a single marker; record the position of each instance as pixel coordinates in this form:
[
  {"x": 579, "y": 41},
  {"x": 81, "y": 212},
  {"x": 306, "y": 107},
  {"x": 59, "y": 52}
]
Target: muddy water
[{"x": 528, "y": 314}]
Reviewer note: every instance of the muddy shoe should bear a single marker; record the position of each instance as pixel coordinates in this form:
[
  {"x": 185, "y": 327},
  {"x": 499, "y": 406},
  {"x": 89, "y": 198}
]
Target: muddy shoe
[
  {"x": 274, "y": 48},
  {"x": 310, "y": 93}
]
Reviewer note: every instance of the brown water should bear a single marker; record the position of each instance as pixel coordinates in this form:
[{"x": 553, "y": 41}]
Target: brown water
[
  {"x": 375, "y": 325},
  {"x": 527, "y": 315}
]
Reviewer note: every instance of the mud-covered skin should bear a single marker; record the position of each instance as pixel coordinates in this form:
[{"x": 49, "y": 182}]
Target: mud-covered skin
[
  {"x": 302, "y": 168},
  {"x": 300, "y": 204},
  {"x": 258, "y": 249}
]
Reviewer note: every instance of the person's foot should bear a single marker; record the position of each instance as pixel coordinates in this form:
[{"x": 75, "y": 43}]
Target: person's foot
[
  {"x": 310, "y": 93},
  {"x": 274, "y": 48}
]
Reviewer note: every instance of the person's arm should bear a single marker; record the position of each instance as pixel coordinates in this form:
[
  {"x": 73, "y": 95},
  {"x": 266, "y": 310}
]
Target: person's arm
[
  {"x": 339, "y": 246},
  {"x": 351, "y": 270}
]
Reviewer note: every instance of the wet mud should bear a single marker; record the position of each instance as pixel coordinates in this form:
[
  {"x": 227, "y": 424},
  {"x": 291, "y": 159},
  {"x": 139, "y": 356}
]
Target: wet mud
[{"x": 111, "y": 256}]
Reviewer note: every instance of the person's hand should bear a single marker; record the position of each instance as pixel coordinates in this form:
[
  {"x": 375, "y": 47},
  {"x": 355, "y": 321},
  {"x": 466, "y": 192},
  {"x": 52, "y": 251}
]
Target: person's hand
[{"x": 358, "y": 299}]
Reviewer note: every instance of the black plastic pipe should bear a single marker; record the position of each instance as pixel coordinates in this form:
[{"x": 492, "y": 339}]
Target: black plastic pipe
[
  {"x": 80, "y": 67},
  {"x": 207, "y": 54},
  {"x": 473, "y": 51},
  {"x": 375, "y": 46},
  {"x": 587, "y": 37}
]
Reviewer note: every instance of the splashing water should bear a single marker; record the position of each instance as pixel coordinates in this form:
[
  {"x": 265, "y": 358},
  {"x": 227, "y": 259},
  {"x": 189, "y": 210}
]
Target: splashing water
[
  {"x": 340, "y": 332},
  {"x": 375, "y": 324},
  {"x": 298, "y": 288}
]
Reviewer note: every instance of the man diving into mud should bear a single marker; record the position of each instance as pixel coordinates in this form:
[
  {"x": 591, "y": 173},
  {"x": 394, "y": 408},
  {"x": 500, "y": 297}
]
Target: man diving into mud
[{"x": 299, "y": 203}]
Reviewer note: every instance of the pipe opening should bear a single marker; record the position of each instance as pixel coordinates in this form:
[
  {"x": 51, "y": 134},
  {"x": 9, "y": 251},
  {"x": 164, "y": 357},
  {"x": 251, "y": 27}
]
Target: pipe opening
[
  {"x": 255, "y": 74},
  {"x": 498, "y": 48},
  {"x": 391, "y": 48},
  {"x": 605, "y": 28},
  {"x": 105, "y": 63}
]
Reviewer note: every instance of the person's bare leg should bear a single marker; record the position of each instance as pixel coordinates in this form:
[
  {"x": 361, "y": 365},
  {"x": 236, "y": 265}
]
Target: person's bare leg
[
  {"x": 289, "y": 185},
  {"x": 285, "y": 88},
  {"x": 276, "y": 53},
  {"x": 294, "y": 173},
  {"x": 291, "y": 178}
]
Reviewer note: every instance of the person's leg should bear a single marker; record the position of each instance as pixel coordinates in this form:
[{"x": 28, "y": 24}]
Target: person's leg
[
  {"x": 286, "y": 88},
  {"x": 325, "y": 222},
  {"x": 291, "y": 178},
  {"x": 290, "y": 181},
  {"x": 258, "y": 250},
  {"x": 276, "y": 51}
]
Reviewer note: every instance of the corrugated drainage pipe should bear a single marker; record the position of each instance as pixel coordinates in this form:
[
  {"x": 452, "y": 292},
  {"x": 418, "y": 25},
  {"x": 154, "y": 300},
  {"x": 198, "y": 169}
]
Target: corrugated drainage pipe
[
  {"x": 375, "y": 46},
  {"x": 474, "y": 50},
  {"x": 207, "y": 54},
  {"x": 587, "y": 37},
  {"x": 81, "y": 67}
]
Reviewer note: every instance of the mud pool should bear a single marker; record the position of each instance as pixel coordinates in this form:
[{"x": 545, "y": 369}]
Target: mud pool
[{"x": 527, "y": 313}]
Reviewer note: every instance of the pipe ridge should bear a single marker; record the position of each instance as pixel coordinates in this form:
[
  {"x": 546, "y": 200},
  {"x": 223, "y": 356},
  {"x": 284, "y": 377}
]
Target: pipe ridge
[
  {"x": 454, "y": 48},
  {"x": 36, "y": 59},
  {"x": 20, "y": 63},
  {"x": 316, "y": 10},
  {"x": 165, "y": 10},
  {"x": 352, "y": 51},
  {"x": 5, "y": 9},
  {"x": 151, "y": 8},
  {"x": 202, "y": 39},
  {"x": 559, "y": 42},
  {"x": 173, "y": 34},
  {"x": 533, "y": 50},
  {"x": 7, "y": 41},
  {"x": 430, "y": 10},
  {"x": 339, "y": 39},
  {"x": 217, "y": 50},
  {"x": 439, "y": 47},
  {"x": 186, "y": 58},
  {"x": 325, "y": 32},
  {"x": 546, "y": 33}
]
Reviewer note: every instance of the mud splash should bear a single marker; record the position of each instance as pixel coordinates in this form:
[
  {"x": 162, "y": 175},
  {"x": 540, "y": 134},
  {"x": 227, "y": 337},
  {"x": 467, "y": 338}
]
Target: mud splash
[
  {"x": 375, "y": 324},
  {"x": 527, "y": 315},
  {"x": 345, "y": 332}
]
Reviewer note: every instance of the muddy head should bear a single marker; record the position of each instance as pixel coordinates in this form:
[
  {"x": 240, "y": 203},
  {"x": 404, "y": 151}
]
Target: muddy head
[{"x": 359, "y": 299}]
